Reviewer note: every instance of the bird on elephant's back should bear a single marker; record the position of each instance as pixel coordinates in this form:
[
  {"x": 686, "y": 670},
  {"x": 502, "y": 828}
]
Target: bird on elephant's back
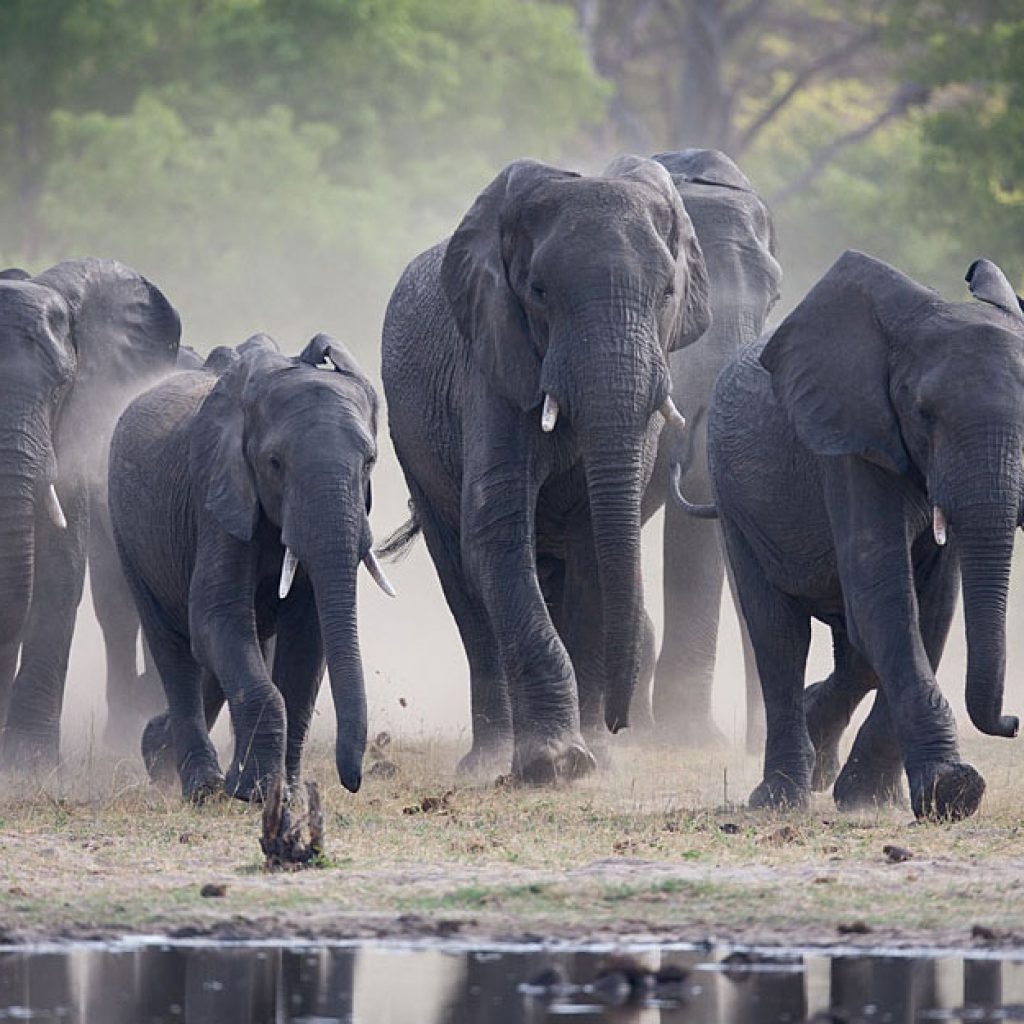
[
  {"x": 865, "y": 456},
  {"x": 525, "y": 361},
  {"x": 240, "y": 503},
  {"x": 76, "y": 343}
]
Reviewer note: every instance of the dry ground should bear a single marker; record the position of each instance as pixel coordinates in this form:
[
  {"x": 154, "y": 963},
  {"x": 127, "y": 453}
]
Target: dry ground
[{"x": 659, "y": 846}]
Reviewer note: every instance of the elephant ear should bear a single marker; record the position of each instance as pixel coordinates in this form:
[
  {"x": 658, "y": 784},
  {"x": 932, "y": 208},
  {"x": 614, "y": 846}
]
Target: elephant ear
[
  {"x": 693, "y": 311},
  {"x": 327, "y": 353},
  {"x": 989, "y": 284},
  {"x": 829, "y": 360},
  {"x": 474, "y": 277},
  {"x": 125, "y": 334},
  {"x": 217, "y": 459},
  {"x": 14, "y": 274}
]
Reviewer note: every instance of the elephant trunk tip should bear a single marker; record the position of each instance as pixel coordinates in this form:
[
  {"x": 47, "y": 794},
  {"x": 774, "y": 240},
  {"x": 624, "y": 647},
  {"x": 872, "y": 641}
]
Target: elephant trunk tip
[
  {"x": 616, "y": 720},
  {"x": 1006, "y": 726},
  {"x": 350, "y": 772}
]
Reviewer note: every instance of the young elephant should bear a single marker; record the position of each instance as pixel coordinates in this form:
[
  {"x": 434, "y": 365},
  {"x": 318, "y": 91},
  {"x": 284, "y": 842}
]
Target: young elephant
[
  {"x": 875, "y": 421},
  {"x": 239, "y": 507}
]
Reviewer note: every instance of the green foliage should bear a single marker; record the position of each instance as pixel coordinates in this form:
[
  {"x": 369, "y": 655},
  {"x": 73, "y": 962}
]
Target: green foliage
[{"x": 273, "y": 163}]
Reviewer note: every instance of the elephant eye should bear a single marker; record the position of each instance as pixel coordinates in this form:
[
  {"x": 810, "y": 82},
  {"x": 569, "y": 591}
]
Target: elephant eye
[
  {"x": 538, "y": 291},
  {"x": 275, "y": 463},
  {"x": 670, "y": 290},
  {"x": 925, "y": 415}
]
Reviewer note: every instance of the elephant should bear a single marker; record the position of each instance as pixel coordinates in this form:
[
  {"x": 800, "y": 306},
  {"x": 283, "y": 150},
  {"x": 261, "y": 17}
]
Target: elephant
[
  {"x": 78, "y": 340},
  {"x": 239, "y": 502},
  {"x": 524, "y": 360},
  {"x": 737, "y": 236},
  {"x": 878, "y": 421},
  {"x": 132, "y": 696}
]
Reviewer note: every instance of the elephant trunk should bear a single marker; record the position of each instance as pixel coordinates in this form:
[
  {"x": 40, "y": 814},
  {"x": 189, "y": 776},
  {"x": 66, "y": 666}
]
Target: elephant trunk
[
  {"x": 334, "y": 546},
  {"x": 984, "y": 532}
]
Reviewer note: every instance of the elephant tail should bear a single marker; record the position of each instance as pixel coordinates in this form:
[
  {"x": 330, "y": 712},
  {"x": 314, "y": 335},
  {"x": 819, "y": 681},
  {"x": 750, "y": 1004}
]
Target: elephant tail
[
  {"x": 396, "y": 545},
  {"x": 681, "y": 466}
]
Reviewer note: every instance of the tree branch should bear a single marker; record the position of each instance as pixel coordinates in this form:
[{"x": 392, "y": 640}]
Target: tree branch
[
  {"x": 737, "y": 22},
  {"x": 908, "y": 95},
  {"x": 832, "y": 59}
]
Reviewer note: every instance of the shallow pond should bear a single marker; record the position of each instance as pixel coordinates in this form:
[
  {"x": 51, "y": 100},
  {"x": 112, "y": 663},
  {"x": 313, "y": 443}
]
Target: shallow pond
[{"x": 155, "y": 981}]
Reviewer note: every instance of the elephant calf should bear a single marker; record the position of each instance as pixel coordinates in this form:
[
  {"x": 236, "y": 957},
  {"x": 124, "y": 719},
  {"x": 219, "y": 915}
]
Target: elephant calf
[
  {"x": 239, "y": 503},
  {"x": 878, "y": 421}
]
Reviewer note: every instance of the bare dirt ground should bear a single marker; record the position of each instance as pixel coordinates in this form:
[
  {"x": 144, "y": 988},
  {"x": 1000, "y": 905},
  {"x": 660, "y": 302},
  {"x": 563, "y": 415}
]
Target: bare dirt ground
[{"x": 658, "y": 847}]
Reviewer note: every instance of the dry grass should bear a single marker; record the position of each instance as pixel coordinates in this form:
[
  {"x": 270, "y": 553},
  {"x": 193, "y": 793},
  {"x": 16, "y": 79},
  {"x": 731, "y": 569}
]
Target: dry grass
[{"x": 638, "y": 849}]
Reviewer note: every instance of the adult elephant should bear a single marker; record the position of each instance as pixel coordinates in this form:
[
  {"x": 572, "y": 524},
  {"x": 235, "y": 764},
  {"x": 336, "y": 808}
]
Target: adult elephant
[
  {"x": 877, "y": 420},
  {"x": 239, "y": 503},
  {"x": 524, "y": 360},
  {"x": 76, "y": 342},
  {"x": 132, "y": 696},
  {"x": 737, "y": 236}
]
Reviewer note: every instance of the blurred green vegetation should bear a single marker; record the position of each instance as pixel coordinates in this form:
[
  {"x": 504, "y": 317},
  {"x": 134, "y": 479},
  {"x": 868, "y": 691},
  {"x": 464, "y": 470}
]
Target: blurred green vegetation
[{"x": 273, "y": 164}]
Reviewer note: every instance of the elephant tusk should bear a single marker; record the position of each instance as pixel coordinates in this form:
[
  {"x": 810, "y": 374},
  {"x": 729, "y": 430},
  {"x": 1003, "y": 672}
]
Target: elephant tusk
[
  {"x": 375, "y": 569},
  {"x": 939, "y": 525},
  {"x": 672, "y": 415},
  {"x": 54, "y": 510},
  {"x": 549, "y": 417},
  {"x": 288, "y": 567}
]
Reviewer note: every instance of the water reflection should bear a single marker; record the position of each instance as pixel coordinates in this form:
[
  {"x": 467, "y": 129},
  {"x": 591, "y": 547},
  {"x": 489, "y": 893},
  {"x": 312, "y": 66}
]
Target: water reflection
[{"x": 386, "y": 985}]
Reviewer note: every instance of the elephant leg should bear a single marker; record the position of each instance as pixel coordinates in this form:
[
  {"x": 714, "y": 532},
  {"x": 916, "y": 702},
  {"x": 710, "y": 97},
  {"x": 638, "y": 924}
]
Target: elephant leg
[
  {"x": 185, "y": 683},
  {"x": 158, "y": 737},
  {"x": 693, "y": 574},
  {"x": 498, "y": 539},
  {"x": 298, "y": 669},
  {"x": 883, "y": 600},
  {"x": 119, "y": 622},
  {"x": 490, "y": 711},
  {"x": 872, "y": 773},
  {"x": 830, "y": 704},
  {"x": 780, "y": 631},
  {"x": 32, "y": 733}
]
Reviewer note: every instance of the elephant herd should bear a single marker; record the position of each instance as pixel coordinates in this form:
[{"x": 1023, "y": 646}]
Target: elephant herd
[{"x": 862, "y": 460}]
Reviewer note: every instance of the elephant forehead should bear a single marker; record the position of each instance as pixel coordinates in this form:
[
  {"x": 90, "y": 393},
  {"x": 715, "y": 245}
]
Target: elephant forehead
[
  {"x": 308, "y": 394},
  {"x": 594, "y": 203}
]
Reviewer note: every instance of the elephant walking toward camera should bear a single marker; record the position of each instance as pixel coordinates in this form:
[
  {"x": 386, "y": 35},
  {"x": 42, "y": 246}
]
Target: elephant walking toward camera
[
  {"x": 239, "y": 502},
  {"x": 77, "y": 342},
  {"x": 524, "y": 362},
  {"x": 877, "y": 422},
  {"x": 737, "y": 236}
]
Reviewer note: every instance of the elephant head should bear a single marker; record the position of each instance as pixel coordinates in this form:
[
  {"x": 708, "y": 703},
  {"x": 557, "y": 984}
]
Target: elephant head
[
  {"x": 290, "y": 443},
  {"x": 75, "y": 342},
  {"x": 872, "y": 364},
  {"x": 571, "y": 291}
]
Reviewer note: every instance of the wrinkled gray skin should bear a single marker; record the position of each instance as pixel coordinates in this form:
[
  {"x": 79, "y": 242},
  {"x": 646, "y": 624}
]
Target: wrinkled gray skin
[
  {"x": 736, "y": 235},
  {"x": 76, "y": 343},
  {"x": 132, "y": 696},
  {"x": 212, "y": 476},
  {"x": 577, "y": 288},
  {"x": 874, "y": 402}
]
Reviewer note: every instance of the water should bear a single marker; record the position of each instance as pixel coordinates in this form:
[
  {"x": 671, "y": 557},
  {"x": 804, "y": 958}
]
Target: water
[{"x": 145, "y": 982}]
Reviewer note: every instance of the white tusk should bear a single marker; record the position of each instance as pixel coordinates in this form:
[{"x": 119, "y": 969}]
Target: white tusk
[
  {"x": 55, "y": 511},
  {"x": 672, "y": 415},
  {"x": 549, "y": 417},
  {"x": 376, "y": 570},
  {"x": 939, "y": 525},
  {"x": 288, "y": 567}
]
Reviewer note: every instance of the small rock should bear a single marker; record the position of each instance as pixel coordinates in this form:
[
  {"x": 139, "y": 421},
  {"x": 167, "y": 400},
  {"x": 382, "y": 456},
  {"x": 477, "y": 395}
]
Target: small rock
[
  {"x": 382, "y": 769},
  {"x": 214, "y": 890},
  {"x": 187, "y": 838},
  {"x": 431, "y": 804},
  {"x": 896, "y": 854},
  {"x": 853, "y": 928},
  {"x": 982, "y": 933},
  {"x": 402, "y": 702},
  {"x": 782, "y": 836},
  {"x": 730, "y": 828}
]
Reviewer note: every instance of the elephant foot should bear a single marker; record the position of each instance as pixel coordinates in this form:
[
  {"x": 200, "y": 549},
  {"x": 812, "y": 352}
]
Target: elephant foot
[
  {"x": 485, "y": 761},
  {"x": 29, "y": 752},
  {"x": 946, "y": 791},
  {"x": 543, "y": 761},
  {"x": 202, "y": 787},
  {"x": 825, "y": 732},
  {"x": 782, "y": 791},
  {"x": 861, "y": 787},
  {"x": 158, "y": 750}
]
